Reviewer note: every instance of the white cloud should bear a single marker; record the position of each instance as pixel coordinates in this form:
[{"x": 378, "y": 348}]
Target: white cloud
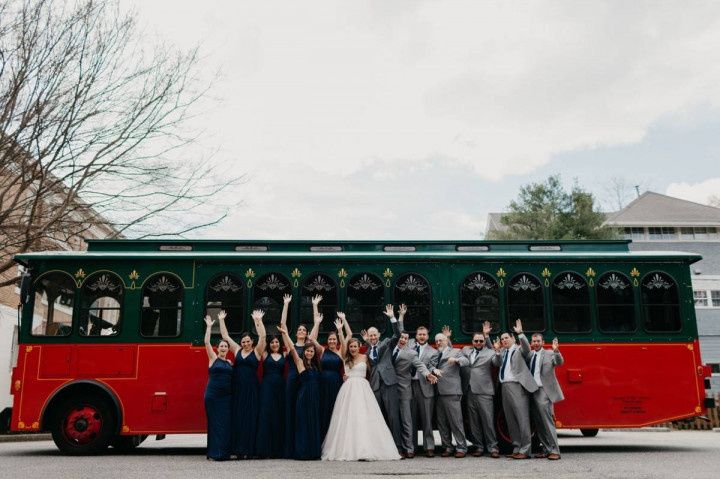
[{"x": 698, "y": 192}]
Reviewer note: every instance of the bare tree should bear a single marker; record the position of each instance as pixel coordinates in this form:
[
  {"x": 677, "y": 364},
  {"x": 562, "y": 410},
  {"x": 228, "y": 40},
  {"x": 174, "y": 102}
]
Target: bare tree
[{"x": 90, "y": 120}]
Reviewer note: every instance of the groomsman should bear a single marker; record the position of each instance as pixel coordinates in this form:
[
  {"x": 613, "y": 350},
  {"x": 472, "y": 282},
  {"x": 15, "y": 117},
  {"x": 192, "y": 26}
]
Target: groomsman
[
  {"x": 383, "y": 379},
  {"x": 407, "y": 364},
  {"x": 423, "y": 393},
  {"x": 517, "y": 385},
  {"x": 449, "y": 389},
  {"x": 542, "y": 368},
  {"x": 480, "y": 391}
]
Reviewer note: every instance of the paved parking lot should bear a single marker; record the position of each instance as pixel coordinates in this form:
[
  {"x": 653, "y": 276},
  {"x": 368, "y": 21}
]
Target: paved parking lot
[{"x": 611, "y": 454}]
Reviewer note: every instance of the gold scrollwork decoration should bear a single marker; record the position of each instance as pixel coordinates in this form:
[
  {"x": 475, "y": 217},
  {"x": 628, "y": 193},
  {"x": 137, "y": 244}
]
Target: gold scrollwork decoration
[
  {"x": 590, "y": 273},
  {"x": 296, "y": 275},
  {"x": 387, "y": 274},
  {"x": 635, "y": 273},
  {"x": 342, "y": 274},
  {"x": 133, "y": 276},
  {"x": 546, "y": 274},
  {"x": 249, "y": 274}
]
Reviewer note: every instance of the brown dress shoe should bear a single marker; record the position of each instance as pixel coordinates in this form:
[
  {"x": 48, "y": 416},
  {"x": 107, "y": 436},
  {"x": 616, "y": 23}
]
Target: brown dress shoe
[
  {"x": 429, "y": 453},
  {"x": 445, "y": 453},
  {"x": 410, "y": 455},
  {"x": 494, "y": 454},
  {"x": 553, "y": 456},
  {"x": 459, "y": 455},
  {"x": 520, "y": 456},
  {"x": 476, "y": 453}
]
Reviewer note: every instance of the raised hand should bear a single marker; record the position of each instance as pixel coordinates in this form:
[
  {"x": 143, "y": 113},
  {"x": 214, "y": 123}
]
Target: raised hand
[
  {"x": 317, "y": 318},
  {"x": 316, "y": 299},
  {"x": 209, "y": 321},
  {"x": 281, "y": 330},
  {"x": 555, "y": 345},
  {"x": 364, "y": 335},
  {"x": 496, "y": 344},
  {"x": 389, "y": 311},
  {"x": 222, "y": 315},
  {"x": 257, "y": 315},
  {"x": 518, "y": 326},
  {"x": 447, "y": 331},
  {"x": 338, "y": 324},
  {"x": 341, "y": 316},
  {"x": 486, "y": 328},
  {"x": 403, "y": 310},
  {"x": 287, "y": 298}
]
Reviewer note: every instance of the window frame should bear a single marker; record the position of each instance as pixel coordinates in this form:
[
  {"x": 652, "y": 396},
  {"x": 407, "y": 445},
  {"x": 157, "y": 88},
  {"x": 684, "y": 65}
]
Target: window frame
[
  {"x": 589, "y": 303},
  {"x": 430, "y": 302},
  {"x": 382, "y": 327},
  {"x": 242, "y": 305},
  {"x": 121, "y": 301},
  {"x": 73, "y": 313},
  {"x": 181, "y": 309},
  {"x": 543, "y": 295},
  {"x": 327, "y": 325},
  {"x": 292, "y": 316},
  {"x": 461, "y": 304},
  {"x": 635, "y": 304}
]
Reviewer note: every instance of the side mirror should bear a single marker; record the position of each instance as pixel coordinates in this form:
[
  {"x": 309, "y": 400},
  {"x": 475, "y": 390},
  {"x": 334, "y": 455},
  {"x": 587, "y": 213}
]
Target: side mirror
[{"x": 25, "y": 288}]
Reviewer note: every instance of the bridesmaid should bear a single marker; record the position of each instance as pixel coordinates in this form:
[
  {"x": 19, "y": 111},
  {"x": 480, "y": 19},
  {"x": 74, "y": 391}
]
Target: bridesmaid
[
  {"x": 293, "y": 382},
  {"x": 308, "y": 443},
  {"x": 271, "y": 423},
  {"x": 245, "y": 385},
  {"x": 218, "y": 398},
  {"x": 331, "y": 367}
]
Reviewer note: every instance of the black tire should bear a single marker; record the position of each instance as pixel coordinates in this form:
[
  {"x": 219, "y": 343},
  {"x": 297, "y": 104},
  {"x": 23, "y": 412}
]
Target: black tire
[
  {"x": 127, "y": 443},
  {"x": 589, "y": 432},
  {"x": 83, "y": 425}
]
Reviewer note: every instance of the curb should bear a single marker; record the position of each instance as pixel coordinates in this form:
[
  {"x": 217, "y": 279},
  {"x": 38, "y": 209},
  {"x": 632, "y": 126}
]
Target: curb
[
  {"x": 640, "y": 429},
  {"x": 25, "y": 437}
]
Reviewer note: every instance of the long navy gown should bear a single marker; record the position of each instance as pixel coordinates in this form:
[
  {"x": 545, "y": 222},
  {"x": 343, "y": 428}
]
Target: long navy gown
[
  {"x": 308, "y": 443},
  {"x": 331, "y": 366},
  {"x": 271, "y": 422},
  {"x": 245, "y": 404},
  {"x": 218, "y": 409},
  {"x": 291, "y": 392}
]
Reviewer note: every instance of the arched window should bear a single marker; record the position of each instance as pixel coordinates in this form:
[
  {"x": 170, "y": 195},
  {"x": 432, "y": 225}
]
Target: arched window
[
  {"x": 661, "y": 305},
  {"x": 268, "y": 295},
  {"x": 616, "y": 303},
  {"x": 571, "y": 304},
  {"x": 479, "y": 302},
  {"x": 414, "y": 291},
  {"x": 101, "y": 305},
  {"x": 324, "y": 285},
  {"x": 525, "y": 302},
  {"x": 53, "y": 307},
  {"x": 365, "y": 298},
  {"x": 162, "y": 306},
  {"x": 225, "y": 292}
]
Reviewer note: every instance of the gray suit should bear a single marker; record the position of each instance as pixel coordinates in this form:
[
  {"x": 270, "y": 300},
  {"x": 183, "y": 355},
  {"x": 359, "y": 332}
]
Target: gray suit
[
  {"x": 423, "y": 396},
  {"x": 383, "y": 382},
  {"x": 516, "y": 394},
  {"x": 545, "y": 396},
  {"x": 479, "y": 391},
  {"x": 449, "y": 388},
  {"x": 405, "y": 361}
]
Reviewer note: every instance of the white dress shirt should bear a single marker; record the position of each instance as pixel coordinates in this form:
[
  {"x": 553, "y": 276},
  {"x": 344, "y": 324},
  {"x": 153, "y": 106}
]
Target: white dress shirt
[
  {"x": 537, "y": 356},
  {"x": 508, "y": 377}
]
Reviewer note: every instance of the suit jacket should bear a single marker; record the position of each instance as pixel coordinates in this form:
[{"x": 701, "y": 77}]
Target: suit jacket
[
  {"x": 429, "y": 358},
  {"x": 449, "y": 383},
  {"x": 518, "y": 364},
  {"x": 406, "y": 359},
  {"x": 479, "y": 372},
  {"x": 383, "y": 367},
  {"x": 549, "y": 360}
]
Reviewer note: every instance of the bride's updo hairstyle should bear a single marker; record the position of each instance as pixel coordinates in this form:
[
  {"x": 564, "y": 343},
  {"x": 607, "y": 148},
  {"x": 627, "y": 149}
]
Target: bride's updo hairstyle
[{"x": 349, "y": 358}]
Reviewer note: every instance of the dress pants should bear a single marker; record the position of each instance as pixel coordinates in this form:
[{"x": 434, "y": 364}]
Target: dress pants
[
  {"x": 422, "y": 412},
  {"x": 516, "y": 406},
  {"x": 481, "y": 415},
  {"x": 542, "y": 414}
]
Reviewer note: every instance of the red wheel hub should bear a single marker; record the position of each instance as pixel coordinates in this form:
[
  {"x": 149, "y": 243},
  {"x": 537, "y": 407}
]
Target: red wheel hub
[{"x": 82, "y": 424}]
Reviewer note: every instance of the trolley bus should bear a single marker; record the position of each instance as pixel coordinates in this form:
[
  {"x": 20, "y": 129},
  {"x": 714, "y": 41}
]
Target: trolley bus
[{"x": 110, "y": 345}]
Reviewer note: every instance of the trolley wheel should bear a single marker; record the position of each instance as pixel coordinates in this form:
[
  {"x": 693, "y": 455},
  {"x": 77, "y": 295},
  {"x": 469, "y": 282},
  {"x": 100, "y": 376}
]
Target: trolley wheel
[
  {"x": 589, "y": 432},
  {"x": 127, "y": 443},
  {"x": 83, "y": 425}
]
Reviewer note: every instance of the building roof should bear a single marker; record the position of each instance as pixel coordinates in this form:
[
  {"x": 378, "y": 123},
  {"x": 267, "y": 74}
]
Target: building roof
[{"x": 654, "y": 209}]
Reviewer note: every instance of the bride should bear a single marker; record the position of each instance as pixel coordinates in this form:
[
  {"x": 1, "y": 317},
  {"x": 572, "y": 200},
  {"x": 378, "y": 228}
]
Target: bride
[{"x": 357, "y": 429}]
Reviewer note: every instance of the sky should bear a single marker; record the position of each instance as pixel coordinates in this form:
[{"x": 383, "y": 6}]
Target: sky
[{"x": 415, "y": 119}]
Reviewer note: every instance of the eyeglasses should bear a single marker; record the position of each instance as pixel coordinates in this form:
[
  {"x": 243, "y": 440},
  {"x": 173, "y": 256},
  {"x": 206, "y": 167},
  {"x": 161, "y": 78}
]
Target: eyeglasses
[{"x": 477, "y": 340}]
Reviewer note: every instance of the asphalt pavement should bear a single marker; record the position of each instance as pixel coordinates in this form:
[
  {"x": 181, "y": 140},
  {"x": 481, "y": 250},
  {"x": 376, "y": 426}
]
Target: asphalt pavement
[{"x": 612, "y": 454}]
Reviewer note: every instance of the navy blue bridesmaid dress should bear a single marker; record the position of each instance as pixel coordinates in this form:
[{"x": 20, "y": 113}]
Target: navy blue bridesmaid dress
[
  {"x": 245, "y": 405},
  {"x": 308, "y": 443},
  {"x": 331, "y": 367},
  {"x": 218, "y": 409},
  {"x": 291, "y": 391},
  {"x": 271, "y": 422}
]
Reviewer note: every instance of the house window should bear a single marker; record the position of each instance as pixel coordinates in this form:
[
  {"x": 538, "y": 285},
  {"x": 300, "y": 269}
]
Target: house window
[
  {"x": 699, "y": 233},
  {"x": 662, "y": 233},
  {"x": 715, "y": 297},
  {"x": 635, "y": 233},
  {"x": 701, "y": 298}
]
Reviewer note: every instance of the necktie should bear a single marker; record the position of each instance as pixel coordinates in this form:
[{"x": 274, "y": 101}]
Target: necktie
[
  {"x": 532, "y": 364},
  {"x": 504, "y": 363},
  {"x": 413, "y": 369},
  {"x": 417, "y": 349},
  {"x": 373, "y": 353},
  {"x": 440, "y": 357},
  {"x": 395, "y": 355}
]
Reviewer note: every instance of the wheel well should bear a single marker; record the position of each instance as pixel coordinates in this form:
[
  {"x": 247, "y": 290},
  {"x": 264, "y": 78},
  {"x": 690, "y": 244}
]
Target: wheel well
[{"x": 81, "y": 388}]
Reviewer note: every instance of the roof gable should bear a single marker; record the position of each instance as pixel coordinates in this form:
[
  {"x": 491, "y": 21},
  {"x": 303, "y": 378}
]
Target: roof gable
[{"x": 652, "y": 208}]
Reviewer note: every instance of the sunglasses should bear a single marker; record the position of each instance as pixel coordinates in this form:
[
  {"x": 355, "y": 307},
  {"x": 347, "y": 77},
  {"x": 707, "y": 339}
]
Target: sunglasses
[{"x": 477, "y": 340}]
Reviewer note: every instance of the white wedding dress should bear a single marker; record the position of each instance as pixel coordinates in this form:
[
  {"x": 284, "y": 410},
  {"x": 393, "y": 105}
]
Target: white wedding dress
[{"x": 357, "y": 429}]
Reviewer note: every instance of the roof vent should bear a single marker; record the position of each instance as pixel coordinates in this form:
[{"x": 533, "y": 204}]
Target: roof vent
[
  {"x": 175, "y": 247},
  {"x": 251, "y": 247},
  {"x": 399, "y": 249},
  {"x": 545, "y": 247},
  {"x": 326, "y": 249},
  {"x": 473, "y": 248}
]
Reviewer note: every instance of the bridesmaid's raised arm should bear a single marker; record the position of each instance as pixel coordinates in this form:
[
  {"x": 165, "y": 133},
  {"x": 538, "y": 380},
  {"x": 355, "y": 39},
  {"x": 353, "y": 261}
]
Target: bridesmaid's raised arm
[
  {"x": 208, "y": 347},
  {"x": 286, "y": 304},
  {"x": 346, "y": 325},
  {"x": 291, "y": 349},
  {"x": 234, "y": 347},
  {"x": 316, "y": 323},
  {"x": 257, "y": 317},
  {"x": 342, "y": 341}
]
